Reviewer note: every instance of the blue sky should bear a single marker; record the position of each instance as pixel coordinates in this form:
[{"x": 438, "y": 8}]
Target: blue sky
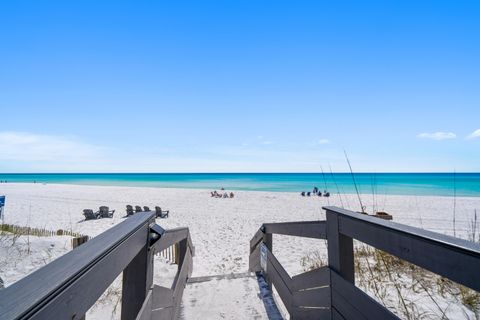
[{"x": 174, "y": 86}]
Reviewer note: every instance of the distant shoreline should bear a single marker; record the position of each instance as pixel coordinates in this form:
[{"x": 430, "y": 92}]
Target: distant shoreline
[
  {"x": 208, "y": 190},
  {"x": 429, "y": 184}
]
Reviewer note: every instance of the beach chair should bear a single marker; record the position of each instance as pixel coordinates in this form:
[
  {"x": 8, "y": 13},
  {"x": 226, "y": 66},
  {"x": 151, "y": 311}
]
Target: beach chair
[
  {"x": 146, "y": 209},
  {"x": 161, "y": 214},
  {"x": 130, "y": 211},
  {"x": 105, "y": 212},
  {"x": 90, "y": 215},
  {"x": 138, "y": 209}
]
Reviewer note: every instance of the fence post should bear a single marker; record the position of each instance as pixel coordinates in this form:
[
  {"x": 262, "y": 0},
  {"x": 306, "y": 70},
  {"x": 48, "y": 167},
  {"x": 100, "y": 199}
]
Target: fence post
[
  {"x": 340, "y": 249},
  {"x": 137, "y": 280}
]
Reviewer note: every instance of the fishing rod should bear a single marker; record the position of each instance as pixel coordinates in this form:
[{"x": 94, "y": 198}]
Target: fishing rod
[
  {"x": 354, "y": 182},
  {"x": 336, "y": 185}
]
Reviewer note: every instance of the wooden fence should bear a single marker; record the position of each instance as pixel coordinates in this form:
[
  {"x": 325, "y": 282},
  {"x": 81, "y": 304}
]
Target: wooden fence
[
  {"x": 67, "y": 287},
  {"x": 330, "y": 292},
  {"x": 39, "y": 232},
  {"x": 170, "y": 254}
]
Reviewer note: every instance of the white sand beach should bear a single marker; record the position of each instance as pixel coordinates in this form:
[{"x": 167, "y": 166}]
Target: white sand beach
[{"x": 220, "y": 228}]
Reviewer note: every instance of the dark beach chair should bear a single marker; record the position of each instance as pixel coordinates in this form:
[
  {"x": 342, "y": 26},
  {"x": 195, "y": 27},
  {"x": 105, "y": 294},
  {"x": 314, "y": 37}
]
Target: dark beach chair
[
  {"x": 146, "y": 209},
  {"x": 319, "y": 193},
  {"x": 138, "y": 209},
  {"x": 105, "y": 212},
  {"x": 161, "y": 214},
  {"x": 326, "y": 194},
  {"x": 90, "y": 215},
  {"x": 308, "y": 194},
  {"x": 303, "y": 193},
  {"x": 130, "y": 211}
]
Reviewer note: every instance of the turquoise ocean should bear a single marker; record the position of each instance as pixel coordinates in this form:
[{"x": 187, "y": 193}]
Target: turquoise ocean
[{"x": 439, "y": 184}]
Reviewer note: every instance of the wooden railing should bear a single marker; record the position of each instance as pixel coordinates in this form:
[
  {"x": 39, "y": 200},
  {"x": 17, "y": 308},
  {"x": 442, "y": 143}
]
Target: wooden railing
[
  {"x": 330, "y": 292},
  {"x": 67, "y": 287}
]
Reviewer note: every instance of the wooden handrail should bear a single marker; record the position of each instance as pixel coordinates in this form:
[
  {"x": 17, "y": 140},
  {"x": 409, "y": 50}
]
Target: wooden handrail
[
  {"x": 306, "y": 229},
  {"x": 331, "y": 291},
  {"x": 67, "y": 287},
  {"x": 162, "y": 302},
  {"x": 453, "y": 258}
]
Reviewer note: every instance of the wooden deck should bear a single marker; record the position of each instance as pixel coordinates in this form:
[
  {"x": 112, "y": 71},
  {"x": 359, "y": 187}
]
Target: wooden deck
[{"x": 70, "y": 285}]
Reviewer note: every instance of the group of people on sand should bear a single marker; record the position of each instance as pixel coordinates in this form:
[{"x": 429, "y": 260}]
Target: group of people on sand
[
  {"x": 216, "y": 194},
  {"x": 316, "y": 192}
]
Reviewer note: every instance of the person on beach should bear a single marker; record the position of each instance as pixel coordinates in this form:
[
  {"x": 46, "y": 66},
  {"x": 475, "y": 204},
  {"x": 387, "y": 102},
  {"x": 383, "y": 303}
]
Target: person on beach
[{"x": 315, "y": 190}]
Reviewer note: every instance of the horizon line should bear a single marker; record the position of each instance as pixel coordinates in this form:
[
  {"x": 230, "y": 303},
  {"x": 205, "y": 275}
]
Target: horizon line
[{"x": 290, "y": 172}]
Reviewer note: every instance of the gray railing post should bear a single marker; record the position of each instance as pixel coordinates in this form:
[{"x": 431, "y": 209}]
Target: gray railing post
[
  {"x": 268, "y": 241},
  {"x": 182, "y": 250},
  {"x": 340, "y": 249},
  {"x": 137, "y": 280}
]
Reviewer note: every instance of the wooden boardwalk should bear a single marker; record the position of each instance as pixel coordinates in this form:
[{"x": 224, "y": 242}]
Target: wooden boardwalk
[
  {"x": 231, "y": 296},
  {"x": 70, "y": 285}
]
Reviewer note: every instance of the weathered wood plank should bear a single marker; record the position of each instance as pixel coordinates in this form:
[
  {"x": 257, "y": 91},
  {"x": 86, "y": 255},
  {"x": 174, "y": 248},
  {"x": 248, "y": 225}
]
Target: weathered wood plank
[
  {"x": 163, "y": 314},
  {"x": 353, "y": 303},
  {"x": 283, "y": 291},
  {"x": 345, "y": 308},
  {"x": 256, "y": 239},
  {"x": 310, "y": 313},
  {"x": 179, "y": 283},
  {"x": 277, "y": 276},
  {"x": 284, "y": 276},
  {"x": 170, "y": 237},
  {"x": 306, "y": 229},
  {"x": 161, "y": 297},
  {"x": 319, "y": 297},
  {"x": 181, "y": 277},
  {"x": 145, "y": 312},
  {"x": 311, "y": 279},
  {"x": 134, "y": 285},
  {"x": 449, "y": 257},
  {"x": 77, "y": 294},
  {"x": 336, "y": 315},
  {"x": 460, "y": 243},
  {"x": 340, "y": 249},
  {"x": 28, "y": 295},
  {"x": 254, "y": 260}
]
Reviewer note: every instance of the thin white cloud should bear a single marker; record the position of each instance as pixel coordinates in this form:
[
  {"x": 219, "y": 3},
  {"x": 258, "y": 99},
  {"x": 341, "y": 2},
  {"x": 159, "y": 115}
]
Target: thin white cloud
[
  {"x": 323, "y": 141},
  {"x": 263, "y": 141},
  {"x": 474, "y": 134},
  {"x": 31, "y": 147},
  {"x": 437, "y": 135}
]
